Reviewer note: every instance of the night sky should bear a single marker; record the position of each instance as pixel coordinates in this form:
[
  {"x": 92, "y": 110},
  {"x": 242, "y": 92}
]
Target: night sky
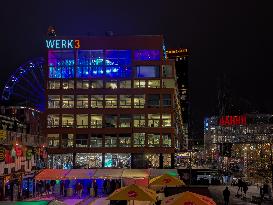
[{"x": 232, "y": 37}]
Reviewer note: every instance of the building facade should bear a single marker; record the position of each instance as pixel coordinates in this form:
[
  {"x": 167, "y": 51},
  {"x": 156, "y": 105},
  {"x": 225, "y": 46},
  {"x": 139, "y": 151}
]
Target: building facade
[
  {"x": 240, "y": 143},
  {"x": 110, "y": 102},
  {"x": 180, "y": 57},
  {"x": 22, "y": 151}
]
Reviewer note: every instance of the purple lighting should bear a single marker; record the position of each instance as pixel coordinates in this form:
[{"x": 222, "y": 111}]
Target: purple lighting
[{"x": 144, "y": 55}]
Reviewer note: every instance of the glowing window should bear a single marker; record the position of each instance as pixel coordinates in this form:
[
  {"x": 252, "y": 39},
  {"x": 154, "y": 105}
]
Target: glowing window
[
  {"x": 96, "y": 101},
  {"x": 82, "y": 101},
  {"x": 54, "y": 101},
  {"x": 67, "y": 120},
  {"x": 82, "y": 84},
  {"x": 153, "y": 140},
  {"x": 147, "y": 72},
  {"x": 96, "y": 121},
  {"x": 146, "y": 55},
  {"x": 68, "y": 84},
  {"x": 139, "y": 120},
  {"x": 125, "y": 121},
  {"x": 82, "y": 121},
  {"x": 110, "y": 140},
  {"x": 153, "y": 83},
  {"x": 125, "y": 101},
  {"x": 139, "y": 101},
  {"x": 111, "y": 101},
  {"x": 154, "y": 120},
  {"x": 68, "y": 101},
  {"x": 125, "y": 84},
  {"x": 53, "y": 121},
  {"x": 67, "y": 140},
  {"x": 124, "y": 140},
  {"x": 139, "y": 139},
  {"x": 166, "y": 120},
  {"x": 53, "y": 140},
  {"x": 54, "y": 84}
]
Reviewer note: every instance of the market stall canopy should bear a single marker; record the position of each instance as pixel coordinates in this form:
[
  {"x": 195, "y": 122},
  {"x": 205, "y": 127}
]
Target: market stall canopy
[
  {"x": 166, "y": 180},
  {"x": 52, "y": 174},
  {"x": 159, "y": 172},
  {"x": 133, "y": 192},
  {"x": 135, "y": 173},
  {"x": 80, "y": 174},
  {"x": 188, "y": 198},
  {"x": 108, "y": 173}
]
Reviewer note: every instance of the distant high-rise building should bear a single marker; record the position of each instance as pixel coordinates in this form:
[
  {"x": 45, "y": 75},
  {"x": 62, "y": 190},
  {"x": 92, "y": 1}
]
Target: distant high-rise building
[{"x": 181, "y": 64}]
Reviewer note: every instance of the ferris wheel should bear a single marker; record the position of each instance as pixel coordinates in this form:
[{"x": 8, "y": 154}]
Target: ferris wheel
[{"x": 26, "y": 86}]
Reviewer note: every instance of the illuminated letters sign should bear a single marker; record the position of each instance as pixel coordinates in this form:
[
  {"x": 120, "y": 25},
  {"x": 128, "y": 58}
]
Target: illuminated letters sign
[
  {"x": 62, "y": 44},
  {"x": 232, "y": 120}
]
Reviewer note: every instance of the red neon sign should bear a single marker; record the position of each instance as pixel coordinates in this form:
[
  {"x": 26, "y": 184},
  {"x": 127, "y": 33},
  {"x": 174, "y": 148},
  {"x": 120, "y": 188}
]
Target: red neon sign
[{"x": 232, "y": 120}]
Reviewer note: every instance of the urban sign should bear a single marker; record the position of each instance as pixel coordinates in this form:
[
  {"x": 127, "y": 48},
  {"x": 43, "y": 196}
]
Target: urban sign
[
  {"x": 62, "y": 44},
  {"x": 232, "y": 120}
]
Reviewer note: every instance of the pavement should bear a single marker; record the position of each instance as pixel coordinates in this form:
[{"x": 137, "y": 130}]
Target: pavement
[{"x": 217, "y": 195}]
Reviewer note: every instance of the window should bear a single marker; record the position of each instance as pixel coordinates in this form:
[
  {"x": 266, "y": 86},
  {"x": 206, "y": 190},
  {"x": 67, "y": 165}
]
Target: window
[
  {"x": 81, "y": 140},
  {"x": 89, "y": 63},
  {"x": 125, "y": 140},
  {"x": 53, "y": 121},
  {"x": 54, "y": 101},
  {"x": 125, "y": 101},
  {"x": 139, "y": 83},
  {"x": 53, "y": 140},
  {"x": 68, "y": 84},
  {"x": 167, "y": 71},
  {"x": 96, "y": 101},
  {"x": 168, "y": 83},
  {"x": 125, "y": 121},
  {"x": 146, "y": 55},
  {"x": 82, "y": 84},
  {"x": 153, "y": 140},
  {"x": 68, "y": 101},
  {"x": 139, "y": 101},
  {"x": 54, "y": 84},
  {"x": 96, "y": 83},
  {"x": 153, "y": 100},
  {"x": 117, "y": 160},
  {"x": 167, "y": 100},
  {"x": 110, "y": 121},
  {"x": 61, "y": 64},
  {"x": 96, "y": 121},
  {"x": 82, "y": 121},
  {"x": 147, "y": 72},
  {"x": 125, "y": 84},
  {"x": 166, "y": 140},
  {"x": 166, "y": 120},
  {"x": 96, "y": 140},
  {"x": 67, "y": 140},
  {"x": 139, "y": 120},
  {"x": 110, "y": 101},
  {"x": 139, "y": 139},
  {"x": 82, "y": 101},
  {"x": 111, "y": 84},
  {"x": 153, "y": 83},
  {"x": 117, "y": 57},
  {"x": 153, "y": 160},
  {"x": 88, "y": 160},
  {"x": 67, "y": 120},
  {"x": 153, "y": 120},
  {"x": 110, "y": 140},
  {"x": 167, "y": 160}
]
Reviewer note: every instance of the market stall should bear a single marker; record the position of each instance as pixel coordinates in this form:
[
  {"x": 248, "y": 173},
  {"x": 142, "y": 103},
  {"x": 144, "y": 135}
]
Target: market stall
[{"x": 136, "y": 176}]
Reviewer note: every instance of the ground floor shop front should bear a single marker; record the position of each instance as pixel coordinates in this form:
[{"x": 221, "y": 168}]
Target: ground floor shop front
[{"x": 110, "y": 160}]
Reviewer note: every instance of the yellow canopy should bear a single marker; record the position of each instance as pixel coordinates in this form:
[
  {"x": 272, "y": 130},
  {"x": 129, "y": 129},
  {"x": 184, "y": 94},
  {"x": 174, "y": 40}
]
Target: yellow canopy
[
  {"x": 188, "y": 198},
  {"x": 166, "y": 180},
  {"x": 133, "y": 192}
]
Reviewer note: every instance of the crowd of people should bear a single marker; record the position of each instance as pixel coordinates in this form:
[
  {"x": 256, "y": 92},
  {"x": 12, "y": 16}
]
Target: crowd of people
[{"x": 91, "y": 187}]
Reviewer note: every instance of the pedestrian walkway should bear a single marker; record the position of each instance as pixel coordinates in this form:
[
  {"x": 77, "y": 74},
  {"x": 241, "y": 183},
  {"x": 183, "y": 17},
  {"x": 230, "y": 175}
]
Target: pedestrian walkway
[{"x": 217, "y": 195}]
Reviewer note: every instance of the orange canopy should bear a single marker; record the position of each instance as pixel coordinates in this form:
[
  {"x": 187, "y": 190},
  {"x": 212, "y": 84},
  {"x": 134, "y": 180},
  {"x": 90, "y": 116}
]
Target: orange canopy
[
  {"x": 52, "y": 174},
  {"x": 188, "y": 198}
]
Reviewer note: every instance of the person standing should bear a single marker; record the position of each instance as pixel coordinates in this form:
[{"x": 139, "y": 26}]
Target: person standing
[
  {"x": 95, "y": 186},
  {"x": 226, "y": 194}
]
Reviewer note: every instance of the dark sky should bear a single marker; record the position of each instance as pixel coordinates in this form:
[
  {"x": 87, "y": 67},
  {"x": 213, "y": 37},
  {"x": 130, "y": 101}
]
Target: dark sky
[{"x": 232, "y": 37}]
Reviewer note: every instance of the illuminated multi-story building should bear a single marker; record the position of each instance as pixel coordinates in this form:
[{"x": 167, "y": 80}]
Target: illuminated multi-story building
[
  {"x": 110, "y": 102},
  {"x": 239, "y": 142},
  {"x": 180, "y": 56}
]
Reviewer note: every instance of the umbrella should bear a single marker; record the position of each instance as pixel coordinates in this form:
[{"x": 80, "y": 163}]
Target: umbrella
[
  {"x": 133, "y": 192},
  {"x": 166, "y": 180},
  {"x": 188, "y": 198},
  {"x": 56, "y": 202}
]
